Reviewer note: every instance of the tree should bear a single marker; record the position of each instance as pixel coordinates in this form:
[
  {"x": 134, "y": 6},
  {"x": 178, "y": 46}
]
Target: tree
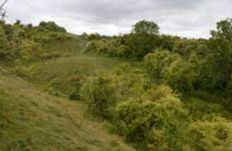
[
  {"x": 224, "y": 30},
  {"x": 2, "y": 10},
  {"x": 146, "y": 27},
  {"x": 139, "y": 45},
  {"x": 220, "y": 58},
  {"x": 51, "y": 26}
]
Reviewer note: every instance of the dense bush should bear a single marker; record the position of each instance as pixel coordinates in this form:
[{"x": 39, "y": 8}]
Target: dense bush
[
  {"x": 30, "y": 50},
  {"x": 130, "y": 46},
  {"x": 183, "y": 74},
  {"x": 152, "y": 116},
  {"x": 179, "y": 72},
  {"x": 219, "y": 59},
  {"x": 20, "y": 42},
  {"x": 185, "y": 64},
  {"x": 152, "y": 119},
  {"x": 157, "y": 62},
  {"x": 141, "y": 41},
  {"x": 104, "y": 91},
  {"x": 142, "y": 112},
  {"x": 215, "y": 135},
  {"x": 99, "y": 93},
  {"x": 50, "y": 26},
  {"x": 138, "y": 45}
]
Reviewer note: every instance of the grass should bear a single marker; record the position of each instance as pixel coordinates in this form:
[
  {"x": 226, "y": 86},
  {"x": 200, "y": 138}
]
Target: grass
[
  {"x": 71, "y": 46},
  {"x": 33, "y": 120},
  {"x": 57, "y": 74}
]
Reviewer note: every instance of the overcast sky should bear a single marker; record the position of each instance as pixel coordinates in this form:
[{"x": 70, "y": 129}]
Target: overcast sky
[{"x": 189, "y": 18}]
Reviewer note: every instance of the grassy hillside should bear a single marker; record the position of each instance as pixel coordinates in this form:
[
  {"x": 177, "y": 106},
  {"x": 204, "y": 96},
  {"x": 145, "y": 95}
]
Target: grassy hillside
[
  {"x": 56, "y": 75},
  {"x": 163, "y": 95},
  {"x": 33, "y": 120},
  {"x": 30, "y": 119}
]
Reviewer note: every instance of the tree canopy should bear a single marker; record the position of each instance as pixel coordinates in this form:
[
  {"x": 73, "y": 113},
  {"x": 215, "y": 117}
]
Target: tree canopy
[{"x": 146, "y": 27}]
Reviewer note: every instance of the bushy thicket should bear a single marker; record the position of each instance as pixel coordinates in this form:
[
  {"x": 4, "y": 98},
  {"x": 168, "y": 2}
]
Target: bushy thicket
[
  {"x": 215, "y": 135},
  {"x": 144, "y": 104},
  {"x": 185, "y": 64},
  {"x": 50, "y": 26},
  {"x": 179, "y": 72},
  {"x": 138, "y": 109},
  {"x": 149, "y": 115},
  {"x": 20, "y": 42},
  {"x": 108, "y": 88},
  {"x": 131, "y": 46},
  {"x": 207, "y": 66},
  {"x": 142, "y": 40},
  {"x": 145, "y": 110}
]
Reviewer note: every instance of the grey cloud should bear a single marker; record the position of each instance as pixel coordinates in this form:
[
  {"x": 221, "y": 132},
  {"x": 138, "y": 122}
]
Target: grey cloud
[{"x": 191, "y": 18}]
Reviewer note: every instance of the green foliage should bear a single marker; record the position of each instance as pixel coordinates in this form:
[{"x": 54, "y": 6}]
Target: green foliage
[
  {"x": 146, "y": 27},
  {"x": 50, "y": 88},
  {"x": 132, "y": 46},
  {"x": 183, "y": 74},
  {"x": 30, "y": 50},
  {"x": 180, "y": 73},
  {"x": 33, "y": 120},
  {"x": 229, "y": 87},
  {"x": 224, "y": 30},
  {"x": 142, "y": 105},
  {"x": 99, "y": 93},
  {"x": 219, "y": 60},
  {"x": 167, "y": 42},
  {"x": 215, "y": 135},
  {"x": 138, "y": 45},
  {"x": 139, "y": 110},
  {"x": 143, "y": 39},
  {"x": 94, "y": 36},
  {"x": 103, "y": 91},
  {"x": 191, "y": 63},
  {"x": 107, "y": 47},
  {"x": 77, "y": 83},
  {"x": 50, "y": 26},
  {"x": 157, "y": 62},
  {"x": 152, "y": 120},
  {"x": 25, "y": 43}
]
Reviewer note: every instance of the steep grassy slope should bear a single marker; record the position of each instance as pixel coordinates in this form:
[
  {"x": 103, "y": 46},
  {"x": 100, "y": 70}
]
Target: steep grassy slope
[
  {"x": 56, "y": 75},
  {"x": 33, "y": 120}
]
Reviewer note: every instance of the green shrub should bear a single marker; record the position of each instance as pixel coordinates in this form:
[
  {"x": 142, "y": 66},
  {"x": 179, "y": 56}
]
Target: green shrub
[
  {"x": 144, "y": 113},
  {"x": 180, "y": 73},
  {"x": 104, "y": 91},
  {"x": 152, "y": 119},
  {"x": 30, "y": 50},
  {"x": 157, "y": 62},
  {"x": 77, "y": 82},
  {"x": 183, "y": 74},
  {"x": 132, "y": 46},
  {"x": 213, "y": 135},
  {"x": 50, "y": 26},
  {"x": 99, "y": 94}
]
